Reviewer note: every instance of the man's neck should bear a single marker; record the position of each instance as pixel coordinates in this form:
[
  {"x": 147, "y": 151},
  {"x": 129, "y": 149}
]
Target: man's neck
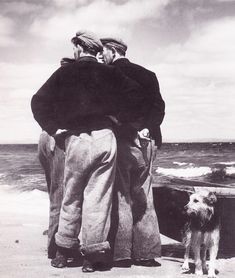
[
  {"x": 86, "y": 57},
  {"x": 84, "y": 54}
]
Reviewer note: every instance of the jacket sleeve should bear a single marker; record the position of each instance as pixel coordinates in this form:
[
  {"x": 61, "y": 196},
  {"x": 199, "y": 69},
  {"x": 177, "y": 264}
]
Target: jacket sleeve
[
  {"x": 156, "y": 109},
  {"x": 43, "y": 105},
  {"x": 130, "y": 98}
]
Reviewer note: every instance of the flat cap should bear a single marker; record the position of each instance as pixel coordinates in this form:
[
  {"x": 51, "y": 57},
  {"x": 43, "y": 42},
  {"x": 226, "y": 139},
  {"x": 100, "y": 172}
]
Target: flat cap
[
  {"x": 88, "y": 39},
  {"x": 114, "y": 42}
]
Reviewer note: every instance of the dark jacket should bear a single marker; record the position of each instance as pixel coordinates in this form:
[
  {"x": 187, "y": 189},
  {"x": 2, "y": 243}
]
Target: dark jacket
[
  {"x": 153, "y": 106},
  {"x": 84, "y": 92}
]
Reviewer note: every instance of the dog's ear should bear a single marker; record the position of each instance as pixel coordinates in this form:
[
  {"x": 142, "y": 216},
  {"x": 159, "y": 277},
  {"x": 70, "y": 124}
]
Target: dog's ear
[{"x": 211, "y": 199}]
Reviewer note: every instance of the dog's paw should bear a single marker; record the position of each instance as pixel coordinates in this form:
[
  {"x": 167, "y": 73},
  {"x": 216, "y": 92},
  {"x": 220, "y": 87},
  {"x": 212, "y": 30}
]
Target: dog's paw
[
  {"x": 198, "y": 272},
  {"x": 211, "y": 275},
  {"x": 185, "y": 268}
]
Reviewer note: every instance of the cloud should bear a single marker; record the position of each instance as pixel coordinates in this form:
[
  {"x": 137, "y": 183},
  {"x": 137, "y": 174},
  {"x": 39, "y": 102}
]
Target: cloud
[
  {"x": 23, "y": 77},
  {"x": 6, "y": 31},
  {"x": 18, "y": 83},
  {"x": 197, "y": 80},
  {"x": 224, "y": 1},
  {"x": 72, "y": 3},
  {"x": 19, "y": 7},
  {"x": 104, "y": 17},
  {"x": 208, "y": 53},
  {"x": 195, "y": 57}
]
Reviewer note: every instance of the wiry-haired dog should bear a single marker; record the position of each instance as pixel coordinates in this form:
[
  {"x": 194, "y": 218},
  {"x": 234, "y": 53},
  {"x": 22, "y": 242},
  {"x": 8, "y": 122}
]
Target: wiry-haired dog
[{"x": 202, "y": 232}]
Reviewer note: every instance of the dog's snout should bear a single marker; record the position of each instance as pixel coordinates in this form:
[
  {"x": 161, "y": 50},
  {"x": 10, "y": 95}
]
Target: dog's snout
[{"x": 186, "y": 207}]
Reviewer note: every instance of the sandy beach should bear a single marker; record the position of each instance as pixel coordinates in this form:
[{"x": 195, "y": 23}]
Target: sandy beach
[{"x": 24, "y": 217}]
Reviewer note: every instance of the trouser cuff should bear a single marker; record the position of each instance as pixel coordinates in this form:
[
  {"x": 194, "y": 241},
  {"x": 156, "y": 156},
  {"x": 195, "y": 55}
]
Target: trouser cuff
[
  {"x": 90, "y": 249},
  {"x": 71, "y": 243}
]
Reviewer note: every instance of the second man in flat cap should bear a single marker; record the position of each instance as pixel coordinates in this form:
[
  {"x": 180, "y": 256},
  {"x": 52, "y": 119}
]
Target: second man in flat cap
[{"x": 137, "y": 235}]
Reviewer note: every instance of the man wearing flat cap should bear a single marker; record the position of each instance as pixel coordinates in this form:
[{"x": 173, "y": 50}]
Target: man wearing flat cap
[
  {"x": 75, "y": 106},
  {"x": 137, "y": 235}
]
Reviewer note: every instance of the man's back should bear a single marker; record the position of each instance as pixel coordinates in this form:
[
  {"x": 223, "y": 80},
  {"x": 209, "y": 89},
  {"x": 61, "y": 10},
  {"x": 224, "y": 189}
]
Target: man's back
[
  {"x": 154, "y": 106},
  {"x": 81, "y": 91}
]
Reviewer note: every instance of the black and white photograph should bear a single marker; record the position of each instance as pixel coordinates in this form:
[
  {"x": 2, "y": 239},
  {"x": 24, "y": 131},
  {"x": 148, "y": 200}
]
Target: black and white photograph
[{"x": 117, "y": 142}]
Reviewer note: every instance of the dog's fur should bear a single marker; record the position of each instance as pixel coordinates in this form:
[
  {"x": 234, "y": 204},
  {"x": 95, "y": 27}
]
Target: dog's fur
[{"x": 202, "y": 232}]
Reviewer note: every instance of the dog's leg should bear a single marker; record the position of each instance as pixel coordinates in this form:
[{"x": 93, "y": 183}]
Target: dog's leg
[
  {"x": 213, "y": 254},
  {"x": 196, "y": 250},
  {"x": 185, "y": 266},
  {"x": 213, "y": 251},
  {"x": 203, "y": 256},
  {"x": 187, "y": 241}
]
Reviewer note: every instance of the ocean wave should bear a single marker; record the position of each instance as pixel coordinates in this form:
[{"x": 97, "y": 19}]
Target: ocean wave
[
  {"x": 225, "y": 163},
  {"x": 182, "y": 163},
  {"x": 216, "y": 173},
  {"x": 24, "y": 182},
  {"x": 222, "y": 172},
  {"x": 189, "y": 172},
  {"x": 230, "y": 171}
]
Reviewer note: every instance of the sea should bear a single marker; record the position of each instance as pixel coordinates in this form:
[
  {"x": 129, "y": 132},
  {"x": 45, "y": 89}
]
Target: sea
[{"x": 21, "y": 171}]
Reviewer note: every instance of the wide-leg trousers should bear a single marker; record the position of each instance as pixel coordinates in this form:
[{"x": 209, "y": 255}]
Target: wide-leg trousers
[
  {"x": 52, "y": 158},
  {"x": 135, "y": 224},
  {"x": 90, "y": 165}
]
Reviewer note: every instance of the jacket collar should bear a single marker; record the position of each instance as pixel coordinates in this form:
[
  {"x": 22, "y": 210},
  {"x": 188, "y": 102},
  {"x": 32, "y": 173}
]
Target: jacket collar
[
  {"x": 121, "y": 61},
  {"x": 87, "y": 59}
]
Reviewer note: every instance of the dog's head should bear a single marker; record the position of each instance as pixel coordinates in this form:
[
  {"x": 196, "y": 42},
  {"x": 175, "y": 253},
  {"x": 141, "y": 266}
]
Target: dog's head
[{"x": 201, "y": 205}]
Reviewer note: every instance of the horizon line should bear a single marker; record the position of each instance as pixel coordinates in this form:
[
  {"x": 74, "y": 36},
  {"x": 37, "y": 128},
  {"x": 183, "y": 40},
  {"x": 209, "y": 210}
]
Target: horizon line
[{"x": 164, "y": 142}]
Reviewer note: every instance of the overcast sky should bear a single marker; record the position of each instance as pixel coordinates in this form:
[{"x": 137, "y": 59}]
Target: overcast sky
[{"x": 189, "y": 44}]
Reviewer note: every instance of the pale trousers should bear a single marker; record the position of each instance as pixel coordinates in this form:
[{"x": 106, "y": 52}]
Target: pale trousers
[
  {"x": 51, "y": 158},
  {"x": 90, "y": 165},
  {"x": 135, "y": 224}
]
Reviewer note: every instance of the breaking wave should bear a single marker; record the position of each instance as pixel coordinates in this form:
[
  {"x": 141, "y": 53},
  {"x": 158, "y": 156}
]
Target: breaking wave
[
  {"x": 184, "y": 173},
  {"x": 216, "y": 173}
]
